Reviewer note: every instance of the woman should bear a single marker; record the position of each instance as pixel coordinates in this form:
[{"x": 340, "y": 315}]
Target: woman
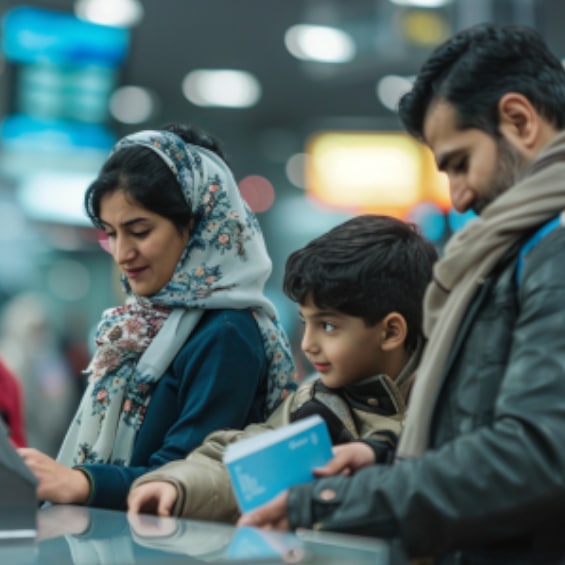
[{"x": 196, "y": 347}]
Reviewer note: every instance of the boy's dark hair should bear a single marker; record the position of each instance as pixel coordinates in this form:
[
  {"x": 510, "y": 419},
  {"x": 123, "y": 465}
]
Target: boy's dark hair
[
  {"x": 142, "y": 174},
  {"x": 473, "y": 69},
  {"x": 368, "y": 267}
]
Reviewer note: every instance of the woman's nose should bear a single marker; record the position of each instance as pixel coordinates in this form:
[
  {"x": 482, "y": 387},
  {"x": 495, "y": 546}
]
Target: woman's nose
[{"x": 123, "y": 250}]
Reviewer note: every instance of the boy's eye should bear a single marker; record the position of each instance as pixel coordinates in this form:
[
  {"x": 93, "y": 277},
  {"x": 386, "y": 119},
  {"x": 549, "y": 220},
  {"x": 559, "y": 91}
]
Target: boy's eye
[{"x": 328, "y": 327}]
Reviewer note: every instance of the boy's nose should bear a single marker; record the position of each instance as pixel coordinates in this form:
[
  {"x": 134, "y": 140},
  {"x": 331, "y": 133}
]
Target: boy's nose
[{"x": 308, "y": 343}]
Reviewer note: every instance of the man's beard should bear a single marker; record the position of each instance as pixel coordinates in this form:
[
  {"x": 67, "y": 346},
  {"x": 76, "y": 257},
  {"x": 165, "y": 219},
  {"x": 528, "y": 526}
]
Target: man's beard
[{"x": 509, "y": 169}]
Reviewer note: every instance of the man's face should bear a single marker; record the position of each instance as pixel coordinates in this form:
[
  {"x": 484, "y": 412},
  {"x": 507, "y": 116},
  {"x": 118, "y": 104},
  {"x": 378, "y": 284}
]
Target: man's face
[{"x": 479, "y": 167}]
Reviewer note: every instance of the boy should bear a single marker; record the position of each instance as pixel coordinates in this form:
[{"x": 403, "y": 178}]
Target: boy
[{"x": 360, "y": 289}]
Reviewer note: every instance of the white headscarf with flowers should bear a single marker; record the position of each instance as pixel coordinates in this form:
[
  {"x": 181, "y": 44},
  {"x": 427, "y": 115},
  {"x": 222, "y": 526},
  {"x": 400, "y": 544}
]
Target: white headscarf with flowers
[{"x": 224, "y": 265}]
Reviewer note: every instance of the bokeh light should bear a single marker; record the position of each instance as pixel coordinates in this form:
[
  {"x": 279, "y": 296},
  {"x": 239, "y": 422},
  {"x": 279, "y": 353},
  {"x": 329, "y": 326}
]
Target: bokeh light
[{"x": 258, "y": 192}]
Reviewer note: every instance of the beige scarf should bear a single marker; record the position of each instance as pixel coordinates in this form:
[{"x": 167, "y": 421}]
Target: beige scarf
[{"x": 469, "y": 257}]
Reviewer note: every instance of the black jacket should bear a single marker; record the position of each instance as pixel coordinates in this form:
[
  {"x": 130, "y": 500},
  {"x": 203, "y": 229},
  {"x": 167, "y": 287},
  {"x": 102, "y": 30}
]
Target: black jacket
[{"x": 492, "y": 484}]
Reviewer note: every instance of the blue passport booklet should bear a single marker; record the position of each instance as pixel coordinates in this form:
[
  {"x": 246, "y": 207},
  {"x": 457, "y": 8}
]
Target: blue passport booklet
[{"x": 264, "y": 465}]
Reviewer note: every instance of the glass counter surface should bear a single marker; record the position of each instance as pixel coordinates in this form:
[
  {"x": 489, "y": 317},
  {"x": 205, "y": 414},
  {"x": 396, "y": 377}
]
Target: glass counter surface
[{"x": 89, "y": 536}]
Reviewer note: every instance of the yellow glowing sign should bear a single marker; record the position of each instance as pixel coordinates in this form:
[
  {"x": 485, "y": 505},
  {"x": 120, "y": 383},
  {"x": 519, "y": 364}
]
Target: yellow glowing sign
[{"x": 377, "y": 172}]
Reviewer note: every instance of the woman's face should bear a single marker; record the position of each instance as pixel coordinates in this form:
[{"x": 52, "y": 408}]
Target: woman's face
[{"x": 145, "y": 245}]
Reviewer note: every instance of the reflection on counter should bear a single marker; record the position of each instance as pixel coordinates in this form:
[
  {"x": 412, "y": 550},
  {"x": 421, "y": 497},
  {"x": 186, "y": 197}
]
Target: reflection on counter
[{"x": 88, "y": 536}]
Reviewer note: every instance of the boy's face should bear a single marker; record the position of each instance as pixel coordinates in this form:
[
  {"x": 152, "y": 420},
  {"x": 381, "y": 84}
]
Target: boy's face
[{"x": 342, "y": 349}]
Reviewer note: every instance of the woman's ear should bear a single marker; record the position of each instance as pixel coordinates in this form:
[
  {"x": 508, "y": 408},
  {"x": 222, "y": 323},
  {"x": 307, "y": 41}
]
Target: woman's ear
[{"x": 395, "y": 330}]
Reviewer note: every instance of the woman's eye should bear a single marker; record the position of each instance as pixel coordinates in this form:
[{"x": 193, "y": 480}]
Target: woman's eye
[{"x": 141, "y": 234}]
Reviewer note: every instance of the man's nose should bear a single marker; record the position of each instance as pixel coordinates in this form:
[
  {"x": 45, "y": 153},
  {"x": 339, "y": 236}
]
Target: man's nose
[{"x": 458, "y": 194}]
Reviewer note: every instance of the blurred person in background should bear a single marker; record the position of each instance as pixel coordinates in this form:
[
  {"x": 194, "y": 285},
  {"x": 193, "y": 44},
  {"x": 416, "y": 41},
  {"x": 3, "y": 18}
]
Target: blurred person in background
[
  {"x": 196, "y": 347},
  {"x": 30, "y": 347},
  {"x": 12, "y": 406}
]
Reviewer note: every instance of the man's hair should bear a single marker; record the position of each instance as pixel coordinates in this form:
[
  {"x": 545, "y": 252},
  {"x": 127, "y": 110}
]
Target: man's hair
[
  {"x": 367, "y": 267},
  {"x": 473, "y": 69}
]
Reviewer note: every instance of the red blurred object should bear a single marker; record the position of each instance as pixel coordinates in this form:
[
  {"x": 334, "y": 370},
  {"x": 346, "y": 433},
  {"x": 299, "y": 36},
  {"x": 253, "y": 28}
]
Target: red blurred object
[{"x": 11, "y": 405}]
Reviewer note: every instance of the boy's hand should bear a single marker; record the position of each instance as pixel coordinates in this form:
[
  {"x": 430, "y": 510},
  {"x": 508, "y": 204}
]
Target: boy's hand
[
  {"x": 271, "y": 516},
  {"x": 155, "y": 497},
  {"x": 347, "y": 459}
]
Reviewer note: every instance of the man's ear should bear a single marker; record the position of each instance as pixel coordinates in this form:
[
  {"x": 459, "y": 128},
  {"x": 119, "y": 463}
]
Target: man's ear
[
  {"x": 395, "y": 329},
  {"x": 521, "y": 124}
]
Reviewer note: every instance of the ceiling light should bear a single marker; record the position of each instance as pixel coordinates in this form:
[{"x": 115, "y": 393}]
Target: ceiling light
[
  {"x": 424, "y": 27},
  {"x": 224, "y": 88},
  {"x": 118, "y": 13},
  {"x": 422, "y": 3},
  {"x": 258, "y": 192},
  {"x": 319, "y": 43},
  {"x": 295, "y": 169},
  {"x": 132, "y": 104},
  {"x": 55, "y": 197},
  {"x": 391, "y": 88}
]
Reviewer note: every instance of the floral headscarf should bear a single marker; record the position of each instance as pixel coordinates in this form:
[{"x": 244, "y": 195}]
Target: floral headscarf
[{"x": 224, "y": 265}]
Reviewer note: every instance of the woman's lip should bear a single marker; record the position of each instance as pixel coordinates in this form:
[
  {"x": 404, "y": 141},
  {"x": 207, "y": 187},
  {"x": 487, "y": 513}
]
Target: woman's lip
[{"x": 133, "y": 273}]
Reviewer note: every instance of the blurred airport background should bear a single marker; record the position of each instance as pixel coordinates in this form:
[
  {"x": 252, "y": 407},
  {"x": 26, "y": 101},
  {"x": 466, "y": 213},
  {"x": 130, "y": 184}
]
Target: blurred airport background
[{"x": 302, "y": 94}]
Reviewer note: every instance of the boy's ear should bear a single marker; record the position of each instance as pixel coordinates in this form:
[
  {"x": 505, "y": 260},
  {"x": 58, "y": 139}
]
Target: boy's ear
[{"x": 395, "y": 329}]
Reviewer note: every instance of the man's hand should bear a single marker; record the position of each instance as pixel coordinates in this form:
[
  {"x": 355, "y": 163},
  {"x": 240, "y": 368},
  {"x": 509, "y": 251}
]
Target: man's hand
[
  {"x": 155, "y": 497},
  {"x": 57, "y": 483},
  {"x": 271, "y": 516},
  {"x": 348, "y": 458}
]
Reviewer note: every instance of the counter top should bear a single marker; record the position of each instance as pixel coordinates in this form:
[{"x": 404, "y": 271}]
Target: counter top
[{"x": 89, "y": 536}]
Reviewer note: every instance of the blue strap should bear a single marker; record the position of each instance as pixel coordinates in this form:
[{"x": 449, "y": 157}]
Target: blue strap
[{"x": 532, "y": 242}]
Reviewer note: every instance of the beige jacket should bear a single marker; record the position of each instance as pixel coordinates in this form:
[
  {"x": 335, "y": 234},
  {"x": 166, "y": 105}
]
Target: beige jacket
[{"x": 373, "y": 409}]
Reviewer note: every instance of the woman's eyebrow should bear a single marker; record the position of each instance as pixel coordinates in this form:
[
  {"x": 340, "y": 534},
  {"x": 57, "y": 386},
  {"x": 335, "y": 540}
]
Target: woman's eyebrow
[{"x": 126, "y": 223}]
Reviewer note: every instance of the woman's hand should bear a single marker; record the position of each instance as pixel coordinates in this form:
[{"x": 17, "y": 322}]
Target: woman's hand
[
  {"x": 57, "y": 483},
  {"x": 347, "y": 458},
  {"x": 55, "y": 521}
]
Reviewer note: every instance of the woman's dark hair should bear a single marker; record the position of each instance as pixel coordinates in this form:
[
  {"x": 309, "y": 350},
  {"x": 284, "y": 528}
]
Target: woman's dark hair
[
  {"x": 472, "y": 71},
  {"x": 145, "y": 177},
  {"x": 368, "y": 267}
]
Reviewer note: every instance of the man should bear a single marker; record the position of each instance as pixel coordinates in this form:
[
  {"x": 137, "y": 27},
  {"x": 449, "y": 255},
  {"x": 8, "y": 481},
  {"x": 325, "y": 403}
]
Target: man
[{"x": 480, "y": 468}]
